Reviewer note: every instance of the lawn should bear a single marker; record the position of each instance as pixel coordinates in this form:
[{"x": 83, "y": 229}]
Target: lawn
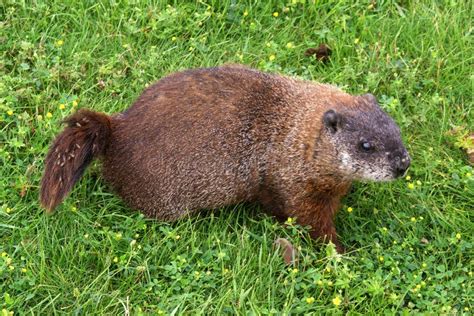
[{"x": 410, "y": 241}]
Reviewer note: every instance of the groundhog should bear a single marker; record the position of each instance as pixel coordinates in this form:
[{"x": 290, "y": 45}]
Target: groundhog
[{"x": 212, "y": 137}]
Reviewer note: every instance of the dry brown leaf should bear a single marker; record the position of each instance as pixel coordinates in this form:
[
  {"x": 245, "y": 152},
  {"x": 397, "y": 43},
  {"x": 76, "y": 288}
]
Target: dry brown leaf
[
  {"x": 454, "y": 131},
  {"x": 101, "y": 84},
  {"x": 321, "y": 53},
  {"x": 24, "y": 188},
  {"x": 290, "y": 254}
]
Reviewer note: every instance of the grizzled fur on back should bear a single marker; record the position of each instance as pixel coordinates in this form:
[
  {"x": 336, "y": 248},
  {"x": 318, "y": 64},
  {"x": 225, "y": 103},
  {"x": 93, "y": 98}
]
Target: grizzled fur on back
[{"x": 207, "y": 138}]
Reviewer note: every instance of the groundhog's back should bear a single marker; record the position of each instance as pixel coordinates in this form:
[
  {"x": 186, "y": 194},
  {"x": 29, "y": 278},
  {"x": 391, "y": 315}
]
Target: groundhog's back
[{"x": 193, "y": 141}]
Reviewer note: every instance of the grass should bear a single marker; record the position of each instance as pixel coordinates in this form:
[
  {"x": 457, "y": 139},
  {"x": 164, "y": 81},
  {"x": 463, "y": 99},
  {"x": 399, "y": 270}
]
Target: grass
[{"x": 410, "y": 241}]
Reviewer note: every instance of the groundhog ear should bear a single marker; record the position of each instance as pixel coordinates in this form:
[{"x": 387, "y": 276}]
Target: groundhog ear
[
  {"x": 331, "y": 120},
  {"x": 369, "y": 97}
]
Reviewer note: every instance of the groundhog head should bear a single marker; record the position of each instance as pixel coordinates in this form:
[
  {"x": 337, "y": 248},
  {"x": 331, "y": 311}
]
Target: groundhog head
[{"x": 367, "y": 141}]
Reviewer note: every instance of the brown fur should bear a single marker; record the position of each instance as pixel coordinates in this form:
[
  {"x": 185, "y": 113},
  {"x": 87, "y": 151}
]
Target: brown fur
[
  {"x": 85, "y": 138},
  {"x": 207, "y": 138}
]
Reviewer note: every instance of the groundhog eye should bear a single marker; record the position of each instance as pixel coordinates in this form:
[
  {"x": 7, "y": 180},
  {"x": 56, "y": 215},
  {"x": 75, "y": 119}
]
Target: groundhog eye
[{"x": 366, "y": 146}]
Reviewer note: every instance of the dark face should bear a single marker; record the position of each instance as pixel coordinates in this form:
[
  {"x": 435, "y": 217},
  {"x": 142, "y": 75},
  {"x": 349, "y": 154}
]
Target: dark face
[{"x": 367, "y": 142}]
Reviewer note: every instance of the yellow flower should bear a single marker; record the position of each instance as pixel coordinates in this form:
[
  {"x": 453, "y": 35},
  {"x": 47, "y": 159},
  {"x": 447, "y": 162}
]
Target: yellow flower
[
  {"x": 75, "y": 102},
  {"x": 49, "y": 115},
  {"x": 295, "y": 270},
  {"x": 356, "y": 41},
  {"x": 272, "y": 57},
  {"x": 4, "y": 254},
  {"x": 349, "y": 209},
  {"x": 59, "y": 43},
  {"x": 290, "y": 45},
  {"x": 320, "y": 282},
  {"x": 23, "y": 270},
  {"x": 424, "y": 265},
  {"x": 458, "y": 236},
  {"x": 116, "y": 259},
  {"x": 330, "y": 283},
  {"x": 408, "y": 178},
  {"x": 62, "y": 106},
  {"x": 413, "y": 219},
  {"x": 118, "y": 236},
  {"x": 381, "y": 259},
  {"x": 468, "y": 174},
  {"x": 246, "y": 13},
  {"x": 10, "y": 112},
  {"x": 86, "y": 236},
  {"x": 8, "y": 210},
  {"x": 310, "y": 300},
  {"x": 385, "y": 229},
  {"x": 74, "y": 209},
  {"x": 275, "y": 14},
  {"x": 6, "y": 312},
  {"x": 11, "y": 268},
  {"x": 336, "y": 301},
  {"x": 290, "y": 220},
  {"x": 173, "y": 38},
  {"x": 411, "y": 185}
]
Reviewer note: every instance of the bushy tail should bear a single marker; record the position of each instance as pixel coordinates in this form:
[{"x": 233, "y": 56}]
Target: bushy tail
[{"x": 85, "y": 137}]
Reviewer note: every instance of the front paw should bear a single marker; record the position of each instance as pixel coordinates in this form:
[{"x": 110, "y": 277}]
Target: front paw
[{"x": 339, "y": 247}]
